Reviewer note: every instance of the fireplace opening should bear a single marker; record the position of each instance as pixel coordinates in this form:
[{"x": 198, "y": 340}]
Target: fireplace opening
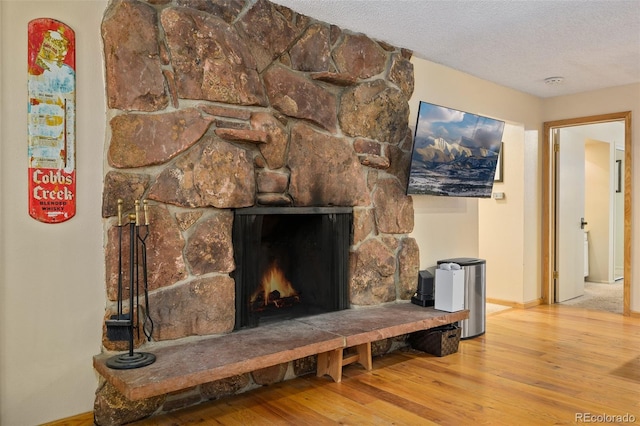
[{"x": 291, "y": 262}]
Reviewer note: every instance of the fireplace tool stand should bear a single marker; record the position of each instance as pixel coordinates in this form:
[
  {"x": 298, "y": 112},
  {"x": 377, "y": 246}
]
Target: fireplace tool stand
[{"x": 122, "y": 325}]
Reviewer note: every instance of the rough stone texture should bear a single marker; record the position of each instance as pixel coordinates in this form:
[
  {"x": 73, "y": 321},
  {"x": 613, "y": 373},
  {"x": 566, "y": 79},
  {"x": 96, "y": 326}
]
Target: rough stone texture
[
  {"x": 366, "y": 146},
  {"x": 320, "y": 165},
  {"x": 390, "y": 241},
  {"x": 374, "y": 110},
  {"x": 371, "y": 153},
  {"x": 271, "y": 199},
  {"x": 181, "y": 401},
  {"x": 336, "y": 32},
  {"x": 164, "y": 253},
  {"x": 372, "y": 268},
  {"x": 305, "y": 365},
  {"x": 165, "y": 57},
  {"x": 209, "y": 59},
  {"x": 270, "y": 181},
  {"x": 215, "y": 174},
  {"x": 399, "y": 164},
  {"x": 111, "y": 408},
  {"x": 300, "y": 22},
  {"x": 406, "y": 144},
  {"x": 296, "y": 96},
  {"x": 359, "y": 56},
  {"x": 338, "y": 79},
  {"x": 187, "y": 219},
  {"x": 311, "y": 52},
  {"x": 277, "y": 138},
  {"x": 231, "y": 124},
  {"x": 221, "y": 111},
  {"x": 210, "y": 248},
  {"x": 164, "y": 249},
  {"x": 259, "y": 162},
  {"x": 173, "y": 89},
  {"x": 242, "y": 135},
  {"x": 267, "y": 31},
  {"x": 201, "y": 307},
  {"x": 386, "y": 46},
  {"x": 270, "y": 375},
  {"x": 224, "y": 177},
  {"x": 124, "y": 186},
  {"x": 133, "y": 70},
  {"x": 224, "y": 387},
  {"x": 372, "y": 179},
  {"x": 394, "y": 209},
  {"x": 408, "y": 267},
  {"x": 375, "y": 161},
  {"x": 139, "y": 140},
  {"x": 401, "y": 73},
  {"x": 380, "y": 347},
  {"x": 363, "y": 224},
  {"x": 227, "y": 10}
]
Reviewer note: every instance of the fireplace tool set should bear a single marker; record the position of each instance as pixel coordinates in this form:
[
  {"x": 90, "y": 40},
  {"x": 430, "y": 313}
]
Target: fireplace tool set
[{"x": 123, "y": 326}]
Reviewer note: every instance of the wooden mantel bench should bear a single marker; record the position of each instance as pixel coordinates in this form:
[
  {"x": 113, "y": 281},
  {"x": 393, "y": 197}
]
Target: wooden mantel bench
[{"x": 193, "y": 362}]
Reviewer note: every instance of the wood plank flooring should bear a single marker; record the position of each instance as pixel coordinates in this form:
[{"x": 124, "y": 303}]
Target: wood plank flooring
[{"x": 539, "y": 366}]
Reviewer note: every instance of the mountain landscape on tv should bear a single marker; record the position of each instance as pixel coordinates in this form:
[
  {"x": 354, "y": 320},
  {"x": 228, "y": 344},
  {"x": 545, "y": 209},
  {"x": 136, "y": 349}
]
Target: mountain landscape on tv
[{"x": 454, "y": 153}]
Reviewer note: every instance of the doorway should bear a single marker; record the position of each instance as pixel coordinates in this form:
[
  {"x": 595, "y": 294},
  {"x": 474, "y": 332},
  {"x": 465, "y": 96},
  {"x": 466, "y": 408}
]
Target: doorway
[{"x": 550, "y": 273}]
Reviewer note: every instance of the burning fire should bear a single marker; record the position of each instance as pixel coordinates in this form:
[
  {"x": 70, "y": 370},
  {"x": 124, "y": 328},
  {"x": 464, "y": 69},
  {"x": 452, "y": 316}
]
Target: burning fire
[{"x": 274, "y": 289}]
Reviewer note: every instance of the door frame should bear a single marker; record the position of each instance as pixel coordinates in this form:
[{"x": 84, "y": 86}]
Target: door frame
[{"x": 549, "y": 205}]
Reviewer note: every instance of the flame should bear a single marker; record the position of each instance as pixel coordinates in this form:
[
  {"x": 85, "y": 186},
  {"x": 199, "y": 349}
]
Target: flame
[{"x": 274, "y": 280}]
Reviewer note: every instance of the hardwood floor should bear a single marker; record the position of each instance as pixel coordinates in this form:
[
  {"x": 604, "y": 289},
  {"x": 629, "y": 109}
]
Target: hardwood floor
[{"x": 543, "y": 365}]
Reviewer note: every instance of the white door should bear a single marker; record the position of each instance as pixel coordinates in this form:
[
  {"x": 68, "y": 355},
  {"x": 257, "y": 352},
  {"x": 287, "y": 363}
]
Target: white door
[{"x": 569, "y": 215}]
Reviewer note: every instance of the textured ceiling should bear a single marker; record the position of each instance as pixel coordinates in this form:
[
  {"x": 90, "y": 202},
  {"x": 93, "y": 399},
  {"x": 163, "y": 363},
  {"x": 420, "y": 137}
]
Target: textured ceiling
[{"x": 593, "y": 44}]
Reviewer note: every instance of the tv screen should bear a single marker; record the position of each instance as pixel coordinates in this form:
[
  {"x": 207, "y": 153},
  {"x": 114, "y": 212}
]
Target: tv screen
[{"x": 455, "y": 153}]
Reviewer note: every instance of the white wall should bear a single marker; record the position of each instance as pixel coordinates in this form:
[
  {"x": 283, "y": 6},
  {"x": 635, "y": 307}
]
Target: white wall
[
  {"x": 598, "y": 209},
  {"x": 52, "y": 275},
  {"x": 616, "y": 99},
  {"x": 532, "y": 278},
  {"x": 501, "y": 224},
  {"x": 448, "y": 226}
]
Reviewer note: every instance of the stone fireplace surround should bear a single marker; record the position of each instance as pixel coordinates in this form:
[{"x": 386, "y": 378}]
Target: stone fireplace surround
[{"x": 216, "y": 105}]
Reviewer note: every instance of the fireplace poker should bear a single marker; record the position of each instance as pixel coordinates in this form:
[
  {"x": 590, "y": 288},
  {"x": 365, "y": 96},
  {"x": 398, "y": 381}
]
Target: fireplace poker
[
  {"x": 147, "y": 322},
  {"x": 118, "y": 324},
  {"x": 134, "y": 241}
]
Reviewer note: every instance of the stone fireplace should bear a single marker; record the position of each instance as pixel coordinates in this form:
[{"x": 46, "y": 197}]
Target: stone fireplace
[{"x": 230, "y": 111}]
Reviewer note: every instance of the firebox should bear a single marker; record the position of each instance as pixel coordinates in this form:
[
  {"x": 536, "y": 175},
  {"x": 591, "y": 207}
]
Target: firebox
[{"x": 291, "y": 262}]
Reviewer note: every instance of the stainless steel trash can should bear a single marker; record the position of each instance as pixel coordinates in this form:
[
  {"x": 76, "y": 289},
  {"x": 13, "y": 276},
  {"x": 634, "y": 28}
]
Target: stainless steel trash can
[{"x": 475, "y": 295}]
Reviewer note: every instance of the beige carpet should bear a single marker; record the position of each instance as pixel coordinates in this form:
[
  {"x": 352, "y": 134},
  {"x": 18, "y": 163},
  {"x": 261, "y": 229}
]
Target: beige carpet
[{"x": 601, "y": 297}]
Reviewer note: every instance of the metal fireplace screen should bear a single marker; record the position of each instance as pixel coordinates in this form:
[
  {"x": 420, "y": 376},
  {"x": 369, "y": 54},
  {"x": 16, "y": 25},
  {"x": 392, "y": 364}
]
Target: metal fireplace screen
[{"x": 290, "y": 262}]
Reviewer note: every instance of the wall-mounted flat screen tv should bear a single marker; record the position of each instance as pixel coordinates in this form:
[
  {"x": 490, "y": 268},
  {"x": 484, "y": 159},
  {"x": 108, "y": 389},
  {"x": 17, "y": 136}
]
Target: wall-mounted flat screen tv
[{"x": 455, "y": 153}]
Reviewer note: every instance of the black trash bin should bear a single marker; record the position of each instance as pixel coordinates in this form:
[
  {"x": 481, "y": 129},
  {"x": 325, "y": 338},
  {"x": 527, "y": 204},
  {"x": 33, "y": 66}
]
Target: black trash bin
[{"x": 475, "y": 295}]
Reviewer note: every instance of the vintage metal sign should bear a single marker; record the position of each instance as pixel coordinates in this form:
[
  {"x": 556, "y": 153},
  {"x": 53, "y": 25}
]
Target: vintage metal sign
[{"x": 51, "y": 120}]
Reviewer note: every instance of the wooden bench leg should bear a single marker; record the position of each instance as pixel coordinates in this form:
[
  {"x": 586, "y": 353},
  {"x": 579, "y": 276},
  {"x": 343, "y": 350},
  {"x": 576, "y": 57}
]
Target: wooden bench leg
[
  {"x": 364, "y": 355},
  {"x": 331, "y": 362}
]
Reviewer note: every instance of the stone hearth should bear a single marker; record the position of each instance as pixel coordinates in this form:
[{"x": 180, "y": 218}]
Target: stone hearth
[{"x": 216, "y": 105}]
